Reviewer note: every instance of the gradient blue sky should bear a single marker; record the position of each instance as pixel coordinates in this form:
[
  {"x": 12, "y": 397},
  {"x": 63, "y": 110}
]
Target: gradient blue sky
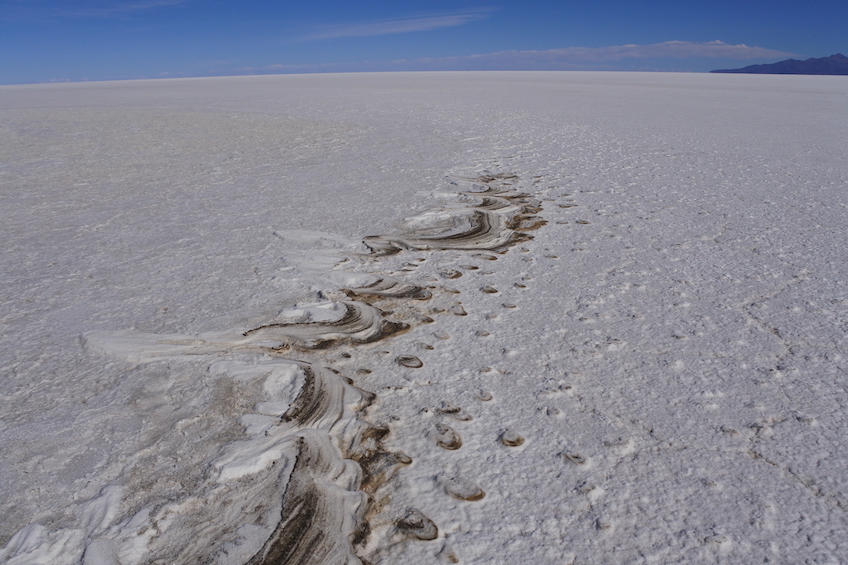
[{"x": 58, "y": 40}]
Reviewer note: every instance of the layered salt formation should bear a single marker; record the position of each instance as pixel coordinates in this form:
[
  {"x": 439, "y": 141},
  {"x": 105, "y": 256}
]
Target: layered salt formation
[{"x": 308, "y": 445}]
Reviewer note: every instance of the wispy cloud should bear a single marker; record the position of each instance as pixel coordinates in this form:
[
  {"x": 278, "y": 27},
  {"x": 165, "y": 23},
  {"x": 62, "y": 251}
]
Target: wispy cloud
[
  {"x": 666, "y": 50},
  {"x": 107, "y": 8},
  {"x": 59, "y": 9},
  {"x": 616, "y": 57},
  {"x": 405, "y": 25}
]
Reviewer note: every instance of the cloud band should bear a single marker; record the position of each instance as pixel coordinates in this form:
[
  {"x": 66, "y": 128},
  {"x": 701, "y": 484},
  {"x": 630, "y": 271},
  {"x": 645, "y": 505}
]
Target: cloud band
[{"x": 387, "y": 27}]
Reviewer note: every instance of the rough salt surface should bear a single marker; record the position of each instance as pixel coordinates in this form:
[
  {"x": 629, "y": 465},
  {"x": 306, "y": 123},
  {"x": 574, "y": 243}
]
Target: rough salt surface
[{"x": 671, "y": 345}]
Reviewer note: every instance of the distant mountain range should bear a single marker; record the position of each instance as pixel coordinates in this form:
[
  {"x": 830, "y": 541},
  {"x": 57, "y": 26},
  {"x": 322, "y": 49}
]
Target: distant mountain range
[{"x": 833, "y": 65}]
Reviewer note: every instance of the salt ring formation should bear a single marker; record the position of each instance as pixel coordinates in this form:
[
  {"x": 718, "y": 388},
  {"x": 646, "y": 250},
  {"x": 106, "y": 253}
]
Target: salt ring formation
[{"x": 425, "y": 318}]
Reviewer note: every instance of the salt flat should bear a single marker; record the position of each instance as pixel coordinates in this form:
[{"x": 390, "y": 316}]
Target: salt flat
[{"x": 604, "y": 320}]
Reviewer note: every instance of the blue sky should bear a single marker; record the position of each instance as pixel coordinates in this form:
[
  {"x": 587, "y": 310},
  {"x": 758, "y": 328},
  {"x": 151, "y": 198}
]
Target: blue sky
[{"x": 58, "y": 40}]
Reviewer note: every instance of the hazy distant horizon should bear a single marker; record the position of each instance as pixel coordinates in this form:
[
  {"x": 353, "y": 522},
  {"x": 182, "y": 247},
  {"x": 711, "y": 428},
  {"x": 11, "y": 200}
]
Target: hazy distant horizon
[{"x": 93, "y": 40}]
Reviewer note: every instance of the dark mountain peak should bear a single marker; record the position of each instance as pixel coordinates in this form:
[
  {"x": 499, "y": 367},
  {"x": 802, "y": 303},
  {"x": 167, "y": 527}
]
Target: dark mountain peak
[{"x": 834, "y": 65}]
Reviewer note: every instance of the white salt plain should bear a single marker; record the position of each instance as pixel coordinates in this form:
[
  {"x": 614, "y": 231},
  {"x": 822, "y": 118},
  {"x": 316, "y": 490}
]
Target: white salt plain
[{"x": 670, "y": 346}]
